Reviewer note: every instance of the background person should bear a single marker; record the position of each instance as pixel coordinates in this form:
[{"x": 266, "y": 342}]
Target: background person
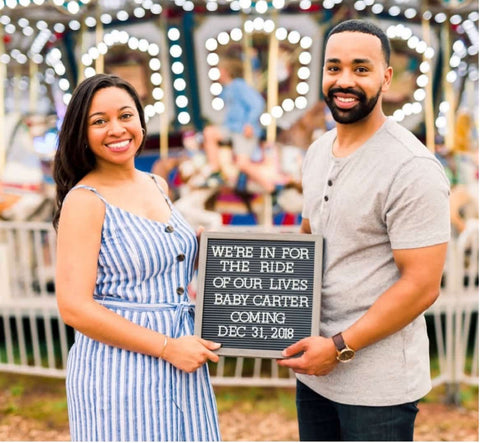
[
  {"x": 125, "y": 258},
  {"x": 379, "y": 199},
  {"x": 243, "y": 107}
]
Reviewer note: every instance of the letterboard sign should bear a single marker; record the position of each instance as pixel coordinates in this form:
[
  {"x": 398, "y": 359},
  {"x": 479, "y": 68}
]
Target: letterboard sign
[{"x": 258, "y": 293}]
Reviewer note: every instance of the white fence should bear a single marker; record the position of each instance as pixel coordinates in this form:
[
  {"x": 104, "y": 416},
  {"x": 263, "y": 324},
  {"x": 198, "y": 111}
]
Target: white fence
[{"x": 34, "y": 340}]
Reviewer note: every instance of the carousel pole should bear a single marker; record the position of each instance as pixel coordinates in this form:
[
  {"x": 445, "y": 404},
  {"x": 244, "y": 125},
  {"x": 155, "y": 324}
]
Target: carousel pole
[
  {"x": 33, "y": 92},
  {"x": 247, "y": 50},
  {"x": 448, "y": 88},
  {"x": 3, "y": 77},
  {"x": 100, "y": 62},
  {"x": 81, "y": 70},
  {"x": 429, "y": 114},
  {"x": 272, "y": 100},
  {"x": 164, "y": 63}
]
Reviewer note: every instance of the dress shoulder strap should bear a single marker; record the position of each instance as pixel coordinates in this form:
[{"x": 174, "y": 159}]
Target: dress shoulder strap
[
  {"x": 90, "y": 188},
  {"x": 160, "y": 187}
]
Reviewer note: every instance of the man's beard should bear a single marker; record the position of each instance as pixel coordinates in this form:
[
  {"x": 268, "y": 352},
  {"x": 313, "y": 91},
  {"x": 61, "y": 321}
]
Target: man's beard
[{"x": 352, "y": 115}]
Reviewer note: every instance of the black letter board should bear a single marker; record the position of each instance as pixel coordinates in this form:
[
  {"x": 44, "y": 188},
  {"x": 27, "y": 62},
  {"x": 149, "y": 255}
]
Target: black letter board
[{"x": 258, "y": 292}]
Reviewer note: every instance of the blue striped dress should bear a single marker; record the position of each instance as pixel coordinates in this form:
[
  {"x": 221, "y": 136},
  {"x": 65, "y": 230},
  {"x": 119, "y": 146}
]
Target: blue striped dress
[{"x": 144, "y": 268}]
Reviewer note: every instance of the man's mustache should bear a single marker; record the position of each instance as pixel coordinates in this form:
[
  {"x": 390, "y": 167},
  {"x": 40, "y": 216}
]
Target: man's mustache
[{"x": 359, "y": 94}]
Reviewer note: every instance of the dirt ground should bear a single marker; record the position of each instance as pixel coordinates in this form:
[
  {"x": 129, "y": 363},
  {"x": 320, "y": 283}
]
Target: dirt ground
[{"x": 435, "y": 422}]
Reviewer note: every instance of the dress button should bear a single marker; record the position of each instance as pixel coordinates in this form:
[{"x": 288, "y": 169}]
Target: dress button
[
  {"x": 326, "y": 198},
  {"x": 169, "y": 229},
  {"x": 329, "y": 183},
  {"x": 181, "y": 257},
  {"x": 180, "y": 290}
]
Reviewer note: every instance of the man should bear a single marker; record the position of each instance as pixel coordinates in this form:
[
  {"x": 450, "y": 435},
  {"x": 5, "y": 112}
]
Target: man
[
  {"x": 379, "y": 198},
  {"x": 243, "y": 108}
]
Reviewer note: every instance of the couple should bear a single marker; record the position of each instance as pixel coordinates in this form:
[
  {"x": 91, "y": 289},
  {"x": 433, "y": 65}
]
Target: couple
[{"x": 371, "y": 189}]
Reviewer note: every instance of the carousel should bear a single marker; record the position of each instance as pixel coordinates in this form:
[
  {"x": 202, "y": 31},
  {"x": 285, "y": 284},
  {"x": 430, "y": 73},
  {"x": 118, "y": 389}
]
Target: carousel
[{"x": 170, "y": 50}]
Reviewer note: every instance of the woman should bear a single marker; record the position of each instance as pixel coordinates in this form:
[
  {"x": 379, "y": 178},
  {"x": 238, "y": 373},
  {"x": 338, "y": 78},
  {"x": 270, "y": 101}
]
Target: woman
[{"x": 125, "y": 257}]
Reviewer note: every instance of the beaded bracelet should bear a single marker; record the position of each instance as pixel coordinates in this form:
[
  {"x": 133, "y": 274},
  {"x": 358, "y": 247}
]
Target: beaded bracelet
[{"x": 165, "y": 342}]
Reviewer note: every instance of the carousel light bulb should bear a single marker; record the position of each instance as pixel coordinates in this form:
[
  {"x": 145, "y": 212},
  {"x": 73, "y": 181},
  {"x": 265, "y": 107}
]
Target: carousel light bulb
[
  {"x": 258, "y": 24},
  {"x": 473, "y": 16},
  {"x": 86, "y": 60},
  {"x": 176, "y": 51},
  {"x": 277, "y": 111},
  {"x": 37, "y": 58},
  {"x": 106, "y": 19},
  {"x": 143, "y": 45},
  {"x": 421, "y": 47},
  {"x": 59, "y": 27},
  {"x": 419, "y": 95},
  {"x": 173, "y": 34},
  {"x": 184, "y": 118},
  {"x": 149, "y": 111},
  {"x": 377, "y": 8},
  {"x": 265, "y": 119},
  {"x": 177, "y": 68},
  {"x": 123, "y": 37},
  {"x": 188, "y": 6},
  {"x": 158, "y": 93},
  {"x": 422, "y": 80},
  {"x": 156, "y": 9},
  {"x": 60, "y": 69},
  {"x": 294, "y": 37},
  {"x": 429, "y": 53},
  {"x": 451, "y": 77},
  {"x": 179, "y": 84},
  {"x": 305, "y": 58},
  {"x": 417, "y": 108},
  {"x": 303, "y": 73},
  {"x": 5, "y": 58},
  {"x": 281, "y": 33},
  {"x": 223, "y": 38},
  {"x": 139, "y": 12},
  {"x": 102, "y": 48},
  {"x": 211, "y": 6},
  {"x": 302, "y": 88},
  {"x": 42, "y": 24},
  {"x": 155, "y": 64},
  {"x": 181, "y": 101},
  {"x": 217, "y": 104},
  {"x": 413, "y": 41},
  {"x": 159, "y": 107},
  {"x": 153, "y": 49},
  {"x": 11, "y": 4},
  {"x": 306, "y": 42},
  {"x": 328, "y": 4},
  {"x": 236, "y": 34},
  {"x": 288, "y": 105},
  {"x": 248, "y": 26},
  {"x": 23, "y": 22},
  {"x": 211, "y": 44},
  {"x": 305, "y": 4},
  {"x": 133, "y": 43},
  {"x": 66, "y": 98},
  {"x": 156, "y": 78},
  {"x": 212, "y": 59},
  {"x": 216, "y": 88},
  {"x": 22, "y": 59},
  {"x": 73, "y": 7},
  {"x": 268, "y": 26},
  {"x": 440, "y": 17},
  {"x": 235, "y": 6},
  {"x": 394, "y": 11},
  {"x": 424, "y": 67},
  {"x": 427, "y": 15},
  {"x": 472, "y": 50},
  {"x": 245, "y": 4},
  {"x": 63, "y": 84},
  {"x": 278, "y": 4},
  {"x": 301, "y": 102},
  {"x": 90, "y": 22},
  {"x": 122, "y": 15},
  {"x": 10, "y": 29},
  {"x": 359, "y": 5},
  {"x": 214, "y": 74},
  {"x": 441, "y": 122},
  {"x": 398, "y": 115},
  {"x": 261, "y": 6},
  {"x": 455, "y": 61},
  {"x": 444, "y": 107},
  {"x": 456, "y": 19},
  {"x": 407, "y": 109},
  {"x": 410, "y": 13}
]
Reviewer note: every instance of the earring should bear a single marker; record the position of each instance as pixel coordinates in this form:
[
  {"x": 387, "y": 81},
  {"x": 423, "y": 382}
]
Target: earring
[{"x": 143, "y": 132}]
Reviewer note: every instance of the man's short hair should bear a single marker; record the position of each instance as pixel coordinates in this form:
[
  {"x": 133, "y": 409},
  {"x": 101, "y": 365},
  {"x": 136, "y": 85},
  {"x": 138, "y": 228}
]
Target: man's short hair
[{"x": 366, "y": 28}]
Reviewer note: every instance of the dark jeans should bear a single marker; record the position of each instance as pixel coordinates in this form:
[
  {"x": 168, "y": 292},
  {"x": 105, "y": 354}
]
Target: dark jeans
[{"x": 320, "y": 419}]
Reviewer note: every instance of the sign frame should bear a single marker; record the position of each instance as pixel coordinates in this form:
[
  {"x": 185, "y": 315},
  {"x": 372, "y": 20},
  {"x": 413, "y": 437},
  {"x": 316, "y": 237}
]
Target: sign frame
[{"x": 316, "y": 264}]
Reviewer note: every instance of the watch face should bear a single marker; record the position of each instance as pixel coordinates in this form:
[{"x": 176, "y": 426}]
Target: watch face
[{"x": 346, "y": 355}]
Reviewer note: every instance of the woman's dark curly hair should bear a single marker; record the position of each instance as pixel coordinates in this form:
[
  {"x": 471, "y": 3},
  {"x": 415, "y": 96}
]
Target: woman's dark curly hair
[{"x": 74, "y": 159}]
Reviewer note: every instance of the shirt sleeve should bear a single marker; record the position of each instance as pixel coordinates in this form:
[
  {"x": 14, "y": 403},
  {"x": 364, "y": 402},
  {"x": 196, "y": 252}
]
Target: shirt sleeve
[{"x": 417, "y": 209}]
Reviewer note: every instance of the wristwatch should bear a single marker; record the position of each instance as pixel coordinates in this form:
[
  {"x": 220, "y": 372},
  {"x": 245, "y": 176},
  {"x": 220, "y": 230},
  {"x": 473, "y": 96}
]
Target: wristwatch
[{"x": 344, "y": 353}]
